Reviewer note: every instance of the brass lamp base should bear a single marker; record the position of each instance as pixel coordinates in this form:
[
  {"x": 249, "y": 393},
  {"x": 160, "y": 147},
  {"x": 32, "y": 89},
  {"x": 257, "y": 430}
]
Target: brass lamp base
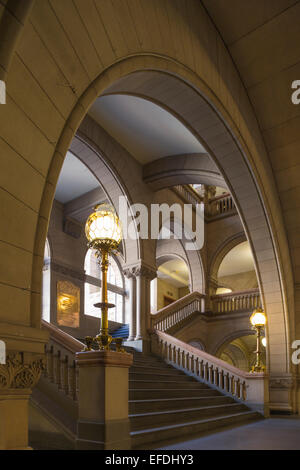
[
  {"x": 258, "y": 369},
  {"x": 104, "y": 340}
]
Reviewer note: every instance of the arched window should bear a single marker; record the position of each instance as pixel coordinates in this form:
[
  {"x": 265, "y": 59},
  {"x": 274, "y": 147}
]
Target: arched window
[
  {"x": 92, "y": 288},
  {"x": 46, "y": 284}
]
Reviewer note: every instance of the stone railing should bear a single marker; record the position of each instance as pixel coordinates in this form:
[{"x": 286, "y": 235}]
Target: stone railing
[
  {"x": 176, "y": 312},
  {"x": 60, "y": 360},
  {"x": 236, "y": 301},
  {"x": 221, "y": 205},
  {"x": 188, "y": 194},
  {"x": 250, "y": 388}
]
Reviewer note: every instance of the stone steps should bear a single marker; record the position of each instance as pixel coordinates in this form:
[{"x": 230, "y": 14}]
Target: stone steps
[
  {"x": 140, "y": 394},
  {"x": 149, "y": 384},
  {"x": 155, "y": 437},
  {"x": 166, "y": 405},
  {"x": 162, "y": 418}
]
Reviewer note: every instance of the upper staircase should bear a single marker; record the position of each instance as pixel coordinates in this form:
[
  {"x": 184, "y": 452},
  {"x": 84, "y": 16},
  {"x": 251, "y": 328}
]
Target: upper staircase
[{"x": 165, "y": 404}]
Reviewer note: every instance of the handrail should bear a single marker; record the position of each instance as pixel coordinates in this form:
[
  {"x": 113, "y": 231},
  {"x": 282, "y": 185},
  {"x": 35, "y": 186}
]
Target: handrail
[
  {"x": 250, "y": 388},
  {"x": 188, "y": 194},
  {"x": 236, "y": 301},
  {"x": 63, "y": 338},
  {"x": 177, "y": 311}
]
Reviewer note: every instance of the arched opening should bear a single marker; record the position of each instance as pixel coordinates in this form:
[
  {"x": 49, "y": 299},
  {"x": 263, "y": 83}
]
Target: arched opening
[
  {"x": 219, "y": 139},
  {"x": 172, "y": 281},
  {"x": 240, "y": 351},
  {"x": 237, "y": 270}
]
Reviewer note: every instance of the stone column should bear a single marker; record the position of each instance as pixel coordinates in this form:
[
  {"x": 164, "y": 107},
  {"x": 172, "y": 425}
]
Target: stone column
[
  {"x": 18, "y": 376},
  {"x": 144, "y": 275},
  {"x": 103, "y": 421},
  {"x": 132, "y": 301}
]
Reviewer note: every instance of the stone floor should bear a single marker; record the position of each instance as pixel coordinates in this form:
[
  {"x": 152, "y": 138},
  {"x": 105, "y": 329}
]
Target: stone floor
[{"x": 269, "y": 434}]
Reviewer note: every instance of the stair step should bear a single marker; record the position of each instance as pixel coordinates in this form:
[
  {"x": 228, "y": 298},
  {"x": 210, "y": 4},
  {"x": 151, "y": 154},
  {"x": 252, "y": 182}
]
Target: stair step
[
  {"x": 154, "y": 369},
  {"x": 169, "y": 384},
  {"x": 161, "y": 418},
  {"x": 159, "y": 375},
  {"x": 144, "y": 394},
  {"x": 164, "y": 404},
  {"x": 149, "y": 437}
]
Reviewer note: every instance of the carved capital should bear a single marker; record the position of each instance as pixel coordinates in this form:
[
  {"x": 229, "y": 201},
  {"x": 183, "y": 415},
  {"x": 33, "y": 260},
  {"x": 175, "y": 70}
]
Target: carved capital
[
  {"x": 16, "y": 373},
  {"x": 140, "y": 270}
]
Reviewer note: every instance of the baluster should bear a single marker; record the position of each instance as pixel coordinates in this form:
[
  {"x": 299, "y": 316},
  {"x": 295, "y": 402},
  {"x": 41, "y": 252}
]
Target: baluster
[
  {"x": 210, "y": 374},
  {"x": 182, "y": 359},
  {"x": 57, "y": 371},
  {"x": 201, "y": 370},
  {"x": 221, "y": 379},
  {"x": 170, "y": 352},
  {"x": 226, "y": 382},
  {"x": 231, "y": 385},
  {"x": 206, "y": 371},
  {"x": 49, "y": 364},
  {"x": 76, "y": 382},
  {"x": 216, "y": 376},
  {"x": 174, "y": 354},
  {"x": 72, "y": 381},
  {"x": 64, "y": 375},
  {"x": 193, "y": 364},
  {"x": 244, "y": 391},
  {"x": 238, "y": 387},
  {"x": 196, "y": 367}
]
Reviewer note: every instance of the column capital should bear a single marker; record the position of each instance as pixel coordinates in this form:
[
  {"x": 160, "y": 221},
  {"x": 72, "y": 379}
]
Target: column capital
[
  {"x": 140, "y": 269},
  {"x": 21, "y": 371}
]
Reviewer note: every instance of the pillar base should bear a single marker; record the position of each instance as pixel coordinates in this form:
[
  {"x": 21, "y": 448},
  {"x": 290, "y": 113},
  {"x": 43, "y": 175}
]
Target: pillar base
[
  {"x": 110, "y": 435},
  {"x": 14, "y": 419},
  {"x": 103, "y": 422},
  {"x": 141, "y": 345}
]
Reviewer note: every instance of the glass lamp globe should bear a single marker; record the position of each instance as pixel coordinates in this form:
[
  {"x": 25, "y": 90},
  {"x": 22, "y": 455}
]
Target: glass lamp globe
[
  {"x": 264, "y": 341},
  {"x": 103, "y": 228},
  {"x": 258, "y": 318}
]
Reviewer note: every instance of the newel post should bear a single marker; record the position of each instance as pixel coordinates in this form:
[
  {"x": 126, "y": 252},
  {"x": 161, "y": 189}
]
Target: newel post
[{"x": 103, "y": 421}]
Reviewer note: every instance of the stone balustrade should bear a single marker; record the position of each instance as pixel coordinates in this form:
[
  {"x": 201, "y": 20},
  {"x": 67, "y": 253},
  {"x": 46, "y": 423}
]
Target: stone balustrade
[
  {"x": 221, "y": 205},
  {"x": 250, "y": 388},
  {"x": 60, "y": 367},
  {"x": 236, "y": 301},
  {"x": 176, "y": 312}
]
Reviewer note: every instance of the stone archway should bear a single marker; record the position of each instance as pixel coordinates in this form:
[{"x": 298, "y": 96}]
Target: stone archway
[{"x": 187, "y": 97}]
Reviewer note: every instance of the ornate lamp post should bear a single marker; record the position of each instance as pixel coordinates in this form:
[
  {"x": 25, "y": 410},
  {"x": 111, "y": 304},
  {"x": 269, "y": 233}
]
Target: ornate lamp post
[
  {"x": 258, "y": 319},
  {"x": 104, "y": 233}
]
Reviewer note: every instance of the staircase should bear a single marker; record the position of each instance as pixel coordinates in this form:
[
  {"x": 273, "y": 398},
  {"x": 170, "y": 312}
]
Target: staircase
[
  {"x": 165, "y": 404},
  {"x": 122, "y": 332}
]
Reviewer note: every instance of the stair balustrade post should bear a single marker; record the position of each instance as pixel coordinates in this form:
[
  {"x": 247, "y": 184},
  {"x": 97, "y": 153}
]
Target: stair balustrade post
[{"x": 103, "y": 422}]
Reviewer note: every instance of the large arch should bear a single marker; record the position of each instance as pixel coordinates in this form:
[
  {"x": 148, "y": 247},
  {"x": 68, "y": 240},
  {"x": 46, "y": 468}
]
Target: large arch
[{"x": 234, "y": 164}]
